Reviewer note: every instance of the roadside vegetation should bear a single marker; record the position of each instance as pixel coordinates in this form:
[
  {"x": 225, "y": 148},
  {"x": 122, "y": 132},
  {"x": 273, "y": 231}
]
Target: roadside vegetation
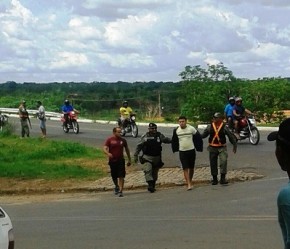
[
  {"x": 36, "y": 158},
  {"x": 200, "y": 93}
]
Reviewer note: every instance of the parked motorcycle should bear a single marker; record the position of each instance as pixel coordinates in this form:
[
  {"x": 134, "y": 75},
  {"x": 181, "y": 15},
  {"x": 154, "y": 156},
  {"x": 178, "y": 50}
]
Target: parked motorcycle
[
  {"x": 72, "y": 122},
  {"x": 131, "y": 126},
  {"x": 248, "y": 129},
  {"x": 3, "y": 120}
]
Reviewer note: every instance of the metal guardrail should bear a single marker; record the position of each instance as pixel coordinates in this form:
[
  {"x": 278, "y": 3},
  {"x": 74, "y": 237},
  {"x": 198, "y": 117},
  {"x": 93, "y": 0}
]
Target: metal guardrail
[{"x": 14, "y": 112}]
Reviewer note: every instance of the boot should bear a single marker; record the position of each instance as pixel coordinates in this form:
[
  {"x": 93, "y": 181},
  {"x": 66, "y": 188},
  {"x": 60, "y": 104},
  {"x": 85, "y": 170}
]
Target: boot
[
  {"x": 223, "y": 180},
  {"x": 151, "y": 186},
  {"x": 214, "y": 180}
]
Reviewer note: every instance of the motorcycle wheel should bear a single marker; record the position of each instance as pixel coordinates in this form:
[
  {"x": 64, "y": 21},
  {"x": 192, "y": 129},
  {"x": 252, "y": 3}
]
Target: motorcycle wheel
[
  {"x": 65, "y": 128},
  {"x": 134, "y": 129},
  {"x": 255, "y": 137},
  {"x": 75, "y": 126}
]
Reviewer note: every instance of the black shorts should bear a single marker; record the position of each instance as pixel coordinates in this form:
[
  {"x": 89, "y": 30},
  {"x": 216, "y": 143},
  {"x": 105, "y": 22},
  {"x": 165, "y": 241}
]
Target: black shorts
[
  {"x": 187, "y": 159},
  {"x": 118, "y": 168}
]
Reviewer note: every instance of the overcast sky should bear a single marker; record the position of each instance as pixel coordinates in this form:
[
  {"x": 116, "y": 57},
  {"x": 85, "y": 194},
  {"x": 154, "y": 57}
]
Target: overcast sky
[{"x": 141, "y": 40}]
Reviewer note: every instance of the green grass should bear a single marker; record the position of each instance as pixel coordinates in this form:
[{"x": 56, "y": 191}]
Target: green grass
[{"x": 35, "y": 158}]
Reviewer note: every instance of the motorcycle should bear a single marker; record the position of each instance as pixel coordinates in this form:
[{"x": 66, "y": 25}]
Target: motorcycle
[
  {"x": 130, "y": 127},
  {"x": 248, "y": 129},
  {"x": 72, "y": 122},
  {"x": 3, "y": 120}
]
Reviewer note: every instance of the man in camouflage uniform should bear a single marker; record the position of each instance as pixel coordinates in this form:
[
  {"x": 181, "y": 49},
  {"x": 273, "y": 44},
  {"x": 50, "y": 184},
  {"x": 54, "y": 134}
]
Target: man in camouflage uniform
[
  {"x": 24, "y": 118},
  {"x": 150, "y": 145}
]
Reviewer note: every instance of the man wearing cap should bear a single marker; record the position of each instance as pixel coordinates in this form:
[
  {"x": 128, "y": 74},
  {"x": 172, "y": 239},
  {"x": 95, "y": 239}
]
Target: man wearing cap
[
  {"x": 151, "y": 146},
  {"x": 217, "y": 147},
  {"x": 24, "y": 118},
  {"x": 282, "y": 151}
]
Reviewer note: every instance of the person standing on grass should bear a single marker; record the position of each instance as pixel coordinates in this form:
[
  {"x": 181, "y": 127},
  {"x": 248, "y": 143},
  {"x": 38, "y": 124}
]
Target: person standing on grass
[
  {"x": 24, "y": 118},
  {"x": 42, "y": 119},
  {"x": 114, "y": 148},
  {"x": 282, "y": 151},
  {"x": 182, "y": 141}
]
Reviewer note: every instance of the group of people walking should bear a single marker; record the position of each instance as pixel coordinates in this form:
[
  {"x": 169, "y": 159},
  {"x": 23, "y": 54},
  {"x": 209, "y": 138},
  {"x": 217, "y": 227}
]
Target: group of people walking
[{"x": 185, "y": 139}]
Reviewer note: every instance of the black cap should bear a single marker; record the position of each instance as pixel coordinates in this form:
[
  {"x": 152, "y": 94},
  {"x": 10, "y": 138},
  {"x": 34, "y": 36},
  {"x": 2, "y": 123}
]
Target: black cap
[
  {"x": 152, "y": 126},
  {"x": 283, "y": 134}
]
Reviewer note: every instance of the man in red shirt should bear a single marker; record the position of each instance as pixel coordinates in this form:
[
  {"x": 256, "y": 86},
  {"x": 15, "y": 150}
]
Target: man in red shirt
[{"x": 114, "y": 149}]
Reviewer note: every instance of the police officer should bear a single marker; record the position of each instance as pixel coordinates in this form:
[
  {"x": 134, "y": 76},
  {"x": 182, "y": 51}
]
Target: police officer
[
  {"x": 217, "y": 147},
  {"x": 150, "y": 158}
]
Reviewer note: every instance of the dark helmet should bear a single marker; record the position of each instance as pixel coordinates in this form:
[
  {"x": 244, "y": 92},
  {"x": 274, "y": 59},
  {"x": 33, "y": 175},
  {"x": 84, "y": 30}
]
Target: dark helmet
[
  {"x": 125, "y": 102},
  {"x": 231, "y": 99},
  {"x": 66, "y": 102},
  {"x": 152, "y": 126},
  {"x": 217, "y": 115},
  {"x": 38, "y": 102}
]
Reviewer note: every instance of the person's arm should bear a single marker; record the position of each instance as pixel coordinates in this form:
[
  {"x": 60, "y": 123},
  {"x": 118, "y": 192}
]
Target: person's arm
[
  {"x": 122, "y": 111},
  {"x": 232, "y": 138},
  {"x": 75, "y": 110},
  {"x": 164, "y": 139},
  {"x": 205, "y": 133},
  {"x": 128, "y": 154},
  {"x": 106, "y": 151},
  {"x": 247, "y": 111},
  {"x": 235, "y": 113},
  {"x": 139, "y": 148}
]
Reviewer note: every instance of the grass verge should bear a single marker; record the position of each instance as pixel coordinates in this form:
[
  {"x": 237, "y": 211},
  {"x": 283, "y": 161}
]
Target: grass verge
[{"x": 36, "y": 158}]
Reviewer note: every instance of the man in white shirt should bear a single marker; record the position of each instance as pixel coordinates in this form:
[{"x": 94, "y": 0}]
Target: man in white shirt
[{"x": 182, "y": 141}]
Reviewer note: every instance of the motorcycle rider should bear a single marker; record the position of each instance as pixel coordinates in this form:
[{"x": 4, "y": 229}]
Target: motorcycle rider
[
  {"x": 66, "y": 109},
  {"x": 125, "y": 111},
  {"x": 151, "y": 146},
  {"x": 228, "y": 111},
  {"x": 239, "y": 111}
]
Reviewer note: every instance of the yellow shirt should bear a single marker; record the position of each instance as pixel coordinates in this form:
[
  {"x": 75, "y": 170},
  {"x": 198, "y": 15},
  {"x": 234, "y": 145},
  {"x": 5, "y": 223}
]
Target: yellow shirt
[{"x": 125, "y": 111}]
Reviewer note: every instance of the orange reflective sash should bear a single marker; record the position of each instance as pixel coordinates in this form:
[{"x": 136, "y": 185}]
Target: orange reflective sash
[{"x": 216, "y": 136}]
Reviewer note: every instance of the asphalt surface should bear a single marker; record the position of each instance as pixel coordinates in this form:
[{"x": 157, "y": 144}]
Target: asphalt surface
[
  {"x": 170, "y": 175},
  {"x": 242, "y": 215}
]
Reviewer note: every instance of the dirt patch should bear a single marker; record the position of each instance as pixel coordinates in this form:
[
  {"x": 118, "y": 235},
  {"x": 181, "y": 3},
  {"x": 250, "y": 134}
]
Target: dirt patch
[{"x": 41, "y": 190}]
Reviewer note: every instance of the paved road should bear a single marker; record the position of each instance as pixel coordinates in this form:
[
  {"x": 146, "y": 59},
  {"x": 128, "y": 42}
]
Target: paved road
[{"x": 241, "y": 215}]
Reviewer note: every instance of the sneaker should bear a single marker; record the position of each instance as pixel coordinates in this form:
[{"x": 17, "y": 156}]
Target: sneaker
[
  {"x": 116, "y": 190},
  {"x": 121, "y": 194}
]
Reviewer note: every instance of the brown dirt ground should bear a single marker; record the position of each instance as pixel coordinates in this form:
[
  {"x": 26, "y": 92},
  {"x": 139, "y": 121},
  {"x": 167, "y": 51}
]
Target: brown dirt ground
[{"x": 41, "y": 190}]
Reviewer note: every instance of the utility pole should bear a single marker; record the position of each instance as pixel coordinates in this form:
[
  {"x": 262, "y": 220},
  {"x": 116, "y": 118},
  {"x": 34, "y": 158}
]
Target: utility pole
[{"x": 159, "y": 105}]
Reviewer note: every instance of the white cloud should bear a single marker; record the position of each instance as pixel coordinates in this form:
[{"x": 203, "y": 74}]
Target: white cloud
[{"x": 130, "y": 40}]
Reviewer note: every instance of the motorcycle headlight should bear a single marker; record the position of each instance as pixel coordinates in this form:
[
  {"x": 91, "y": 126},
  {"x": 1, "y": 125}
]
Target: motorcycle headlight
[
  {"x": 133, "y": 117},
  {"x": 73, "y": 113},
  {"x": 252, "y": 121}
]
